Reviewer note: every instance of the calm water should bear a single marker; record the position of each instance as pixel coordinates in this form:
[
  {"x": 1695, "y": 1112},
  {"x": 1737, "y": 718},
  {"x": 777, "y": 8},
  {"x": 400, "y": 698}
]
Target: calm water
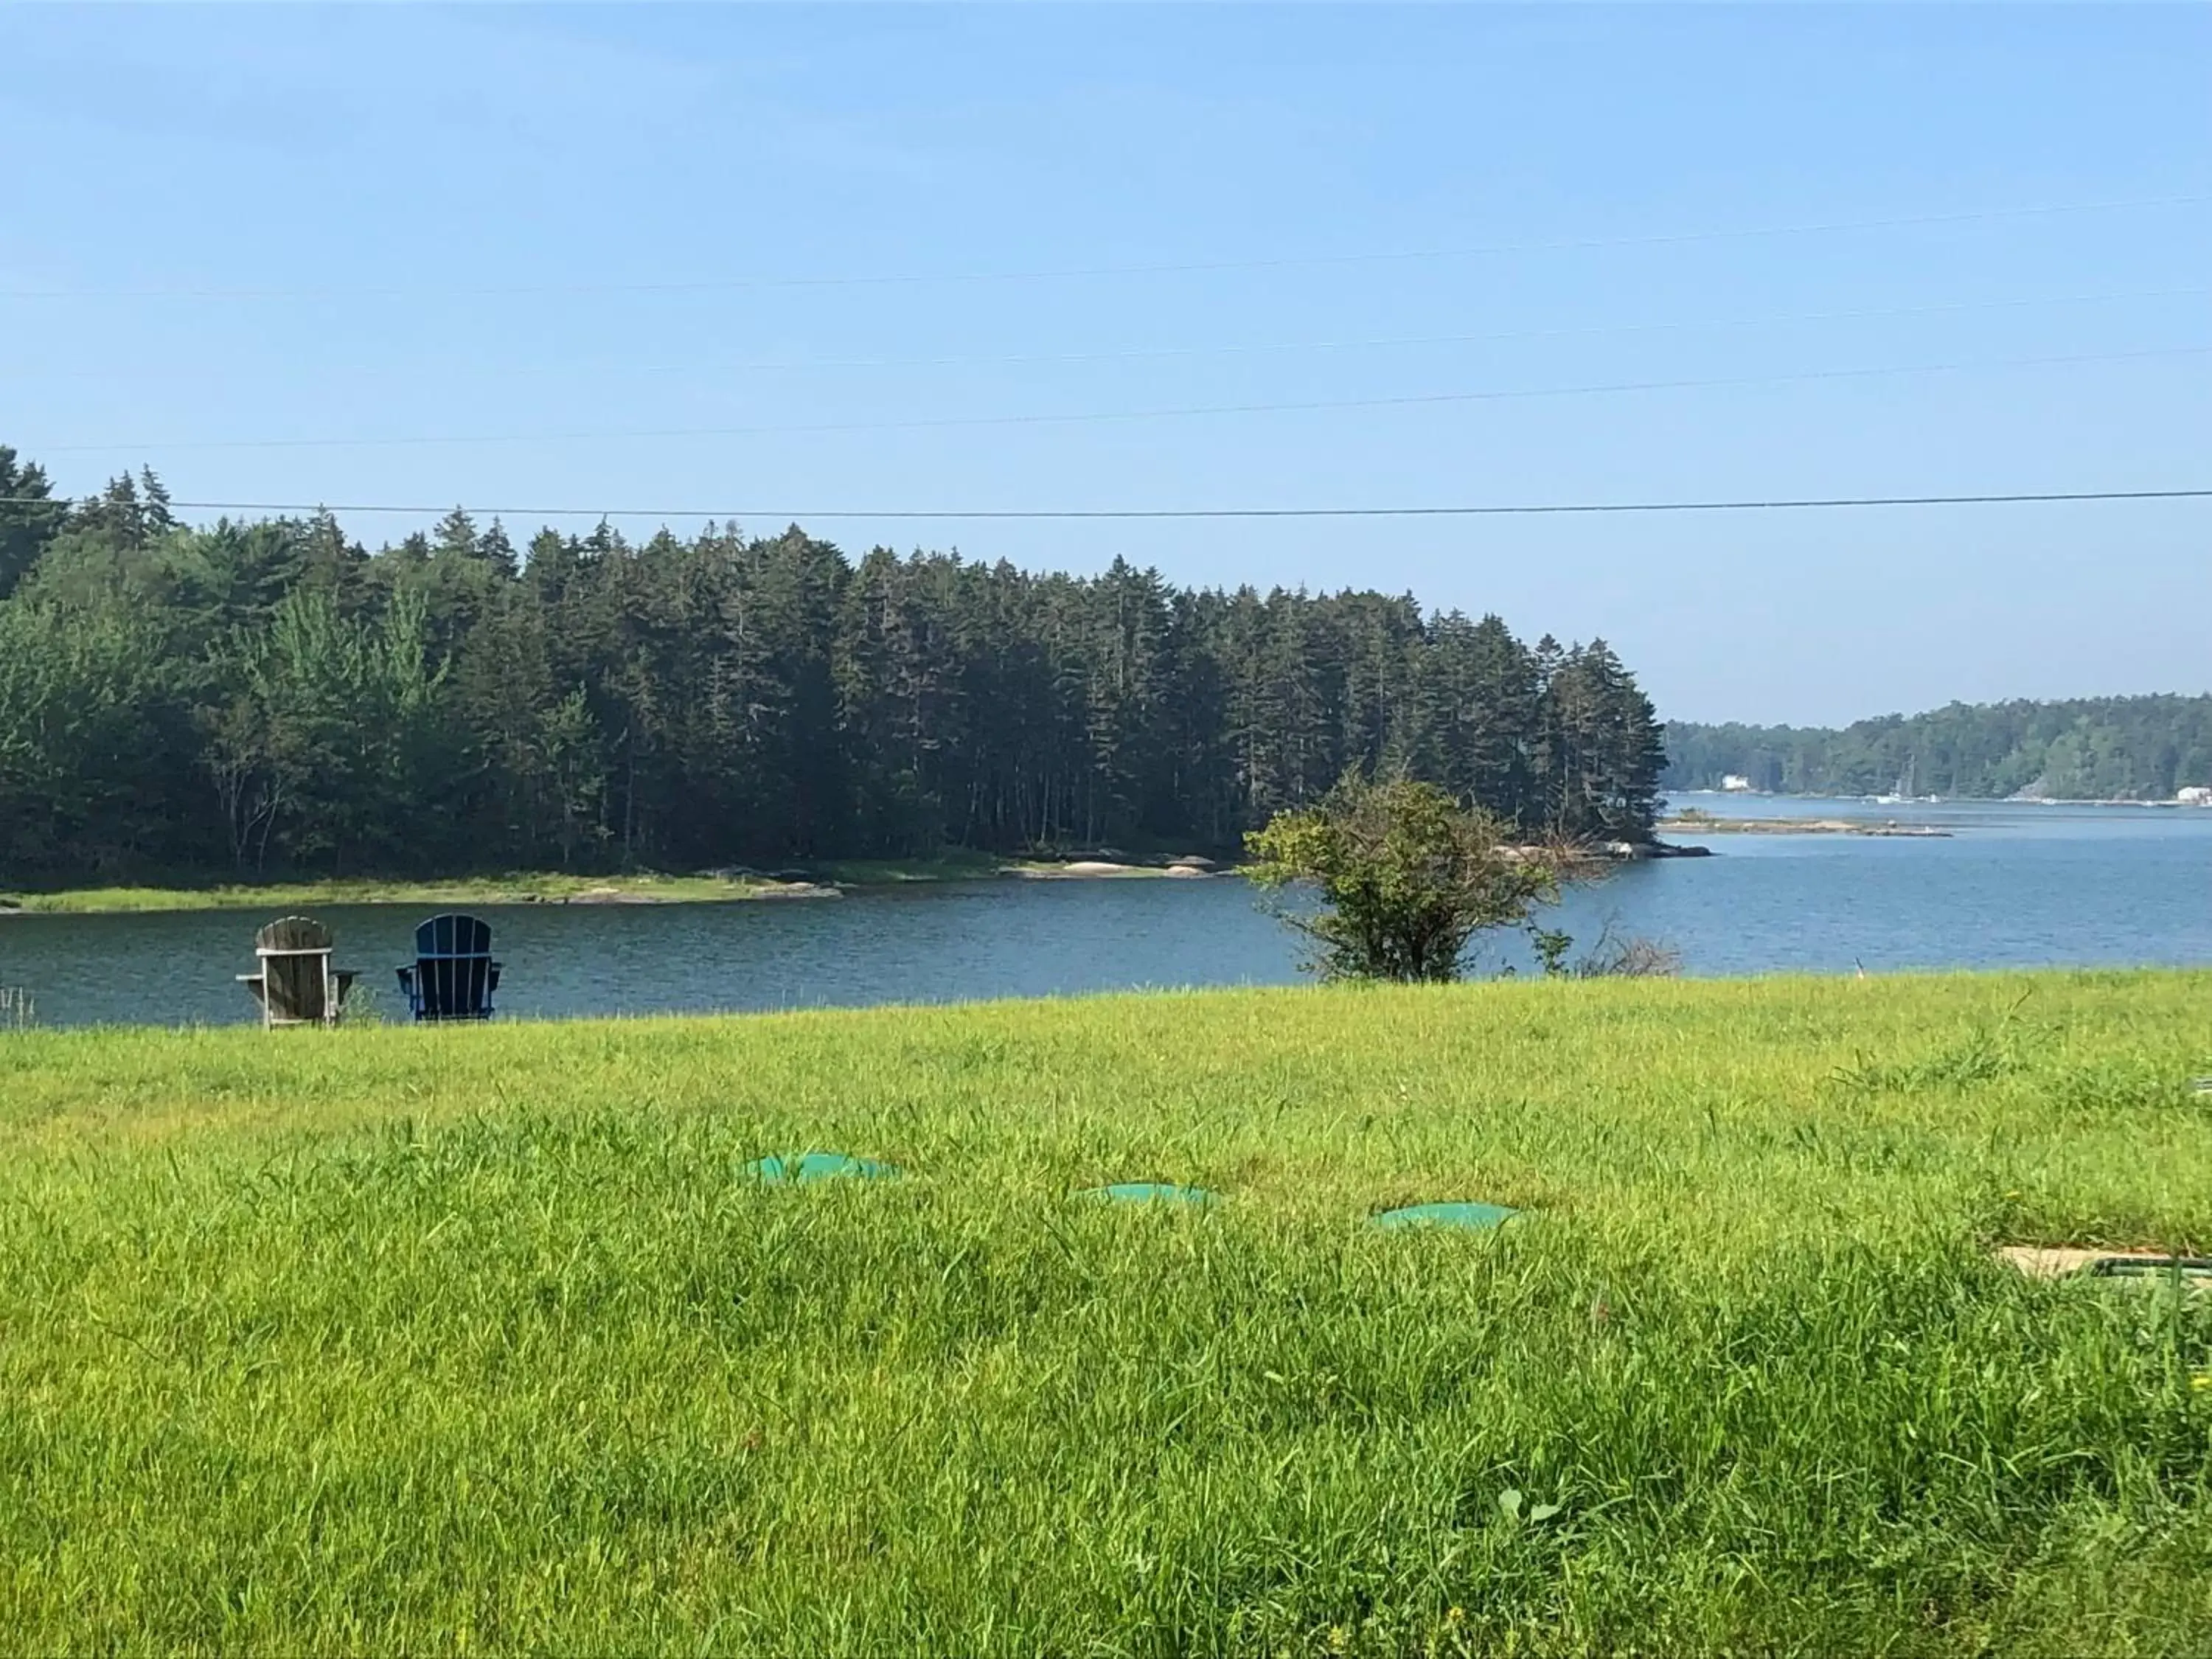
[{"x": 2015, "y": 886}]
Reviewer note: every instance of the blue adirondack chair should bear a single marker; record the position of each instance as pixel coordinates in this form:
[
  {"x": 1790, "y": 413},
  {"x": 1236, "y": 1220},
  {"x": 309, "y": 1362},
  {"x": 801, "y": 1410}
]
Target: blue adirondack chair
[{"x": 453, "y": 975}]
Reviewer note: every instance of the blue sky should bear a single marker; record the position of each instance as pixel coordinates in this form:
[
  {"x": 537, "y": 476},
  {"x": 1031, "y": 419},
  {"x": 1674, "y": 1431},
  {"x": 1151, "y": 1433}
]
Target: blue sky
[{"x": 483, "y": 245}]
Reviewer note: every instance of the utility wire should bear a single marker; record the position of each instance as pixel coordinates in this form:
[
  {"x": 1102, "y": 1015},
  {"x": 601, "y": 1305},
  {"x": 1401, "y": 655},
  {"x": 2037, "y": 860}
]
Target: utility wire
[
  {"x": 1771, "y": 504},
  {"x": 1152, "y": 353},
  {"x": 1176, "y": 268},
  {"x": 948, "y": 422}
]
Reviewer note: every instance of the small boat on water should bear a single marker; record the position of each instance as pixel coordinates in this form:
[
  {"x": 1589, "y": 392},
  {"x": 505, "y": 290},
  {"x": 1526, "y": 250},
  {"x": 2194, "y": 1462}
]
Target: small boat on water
[{"x": 1903, "y": 791}]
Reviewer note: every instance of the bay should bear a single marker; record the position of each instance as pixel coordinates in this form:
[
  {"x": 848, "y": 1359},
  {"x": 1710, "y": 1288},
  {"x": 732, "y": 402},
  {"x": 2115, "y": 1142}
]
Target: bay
[{"x": 2012, "y": 886}]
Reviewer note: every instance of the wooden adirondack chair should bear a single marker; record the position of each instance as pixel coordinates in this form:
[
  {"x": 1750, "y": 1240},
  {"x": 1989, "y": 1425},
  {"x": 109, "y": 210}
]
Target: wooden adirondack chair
[
  {"x": 453, "y": 975},
  {"x": 296, "y": 985}
]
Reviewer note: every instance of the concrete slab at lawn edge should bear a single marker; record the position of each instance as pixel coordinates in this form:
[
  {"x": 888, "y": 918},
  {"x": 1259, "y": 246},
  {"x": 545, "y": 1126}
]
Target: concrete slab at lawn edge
[{"x": 2060, "y": 1260}]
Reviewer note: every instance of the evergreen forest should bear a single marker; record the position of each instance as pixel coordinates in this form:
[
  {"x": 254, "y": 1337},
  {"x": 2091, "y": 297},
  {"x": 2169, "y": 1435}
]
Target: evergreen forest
[
  {"x": 2084, "y": 749},
  {"x": 251, "y": 698}
]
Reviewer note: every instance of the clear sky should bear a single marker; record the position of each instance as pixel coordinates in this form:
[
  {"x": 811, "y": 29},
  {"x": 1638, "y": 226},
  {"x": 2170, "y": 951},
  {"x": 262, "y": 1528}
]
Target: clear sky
[{"x": 570, "y": 257}]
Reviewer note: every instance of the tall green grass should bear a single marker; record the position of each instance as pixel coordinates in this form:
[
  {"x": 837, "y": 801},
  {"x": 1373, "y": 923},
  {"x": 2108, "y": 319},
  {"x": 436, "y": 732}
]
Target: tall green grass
[{"x": 398, "y": 1338}]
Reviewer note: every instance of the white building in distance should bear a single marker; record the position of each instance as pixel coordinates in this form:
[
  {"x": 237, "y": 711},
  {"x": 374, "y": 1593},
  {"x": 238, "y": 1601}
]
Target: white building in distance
[
  {"x": 1737, "y": 784},
  {"x": 2197, "y": 795}
]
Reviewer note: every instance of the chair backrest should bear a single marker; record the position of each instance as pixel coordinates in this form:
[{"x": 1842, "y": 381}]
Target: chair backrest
[
  {"x": 296, "y": 959},
  {"x": 292, "y": 933},
  {"x": 452, "y": 935},
  {"x": 452, "y": 967}
]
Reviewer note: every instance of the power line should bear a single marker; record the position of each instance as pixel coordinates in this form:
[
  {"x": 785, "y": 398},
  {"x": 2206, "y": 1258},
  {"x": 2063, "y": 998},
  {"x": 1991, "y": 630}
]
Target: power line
[
  {"x": 1151, "y": 353},
  {"x": 1517, "y": 509},
  {"x": 1175, "y": 268},
  {"x": 948, "y": 422}
]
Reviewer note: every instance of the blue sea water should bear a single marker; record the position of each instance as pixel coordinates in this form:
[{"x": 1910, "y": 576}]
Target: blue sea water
[{"x": 2012, "y": 886}]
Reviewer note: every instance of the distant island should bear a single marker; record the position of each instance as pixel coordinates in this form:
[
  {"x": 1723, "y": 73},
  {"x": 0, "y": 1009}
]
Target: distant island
[
  {"x": 1694, "y": 821},
  {"x": 2145, "y": 748}
]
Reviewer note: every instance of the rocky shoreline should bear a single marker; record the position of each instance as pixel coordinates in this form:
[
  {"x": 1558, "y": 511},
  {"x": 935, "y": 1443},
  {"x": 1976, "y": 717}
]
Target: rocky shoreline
[{"x": 1716, "y": 826}]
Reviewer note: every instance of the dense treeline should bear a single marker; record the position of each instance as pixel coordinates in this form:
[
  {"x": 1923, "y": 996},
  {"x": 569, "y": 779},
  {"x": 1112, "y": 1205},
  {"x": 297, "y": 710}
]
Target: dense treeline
[
  {"x": 2086, "y": 748},
  {"x": 271, "y": 696}
]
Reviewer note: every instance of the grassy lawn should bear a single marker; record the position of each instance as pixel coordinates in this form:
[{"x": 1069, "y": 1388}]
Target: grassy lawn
[{"x": 394, "y": 1339}]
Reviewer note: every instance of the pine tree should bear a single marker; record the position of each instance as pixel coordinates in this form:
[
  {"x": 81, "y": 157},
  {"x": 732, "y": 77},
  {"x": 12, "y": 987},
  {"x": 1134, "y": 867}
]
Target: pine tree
[
  {"x": 30, "y": 518},
  {"x": 116, "y": 512},
  {"x": 497, "y": 551},
  {"x": 155, "y": 518},
  {"x": 455, "y": 536}
]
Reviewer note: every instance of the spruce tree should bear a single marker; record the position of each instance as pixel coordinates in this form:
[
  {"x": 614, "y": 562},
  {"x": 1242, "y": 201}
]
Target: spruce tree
[{"x": 30, "y": 518}]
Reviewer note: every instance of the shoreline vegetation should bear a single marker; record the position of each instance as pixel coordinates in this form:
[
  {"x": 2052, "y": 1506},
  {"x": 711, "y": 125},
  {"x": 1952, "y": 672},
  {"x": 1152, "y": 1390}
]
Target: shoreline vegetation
[
  {"x": 332, "y": 1340},
  {"x": 271, "y": 695},
  {"x": 731, "y": 884},
  {"x": 828, "y": 879},
  {"x": 1941, "y": 800},
  {"x": 1692, "y": 822}
]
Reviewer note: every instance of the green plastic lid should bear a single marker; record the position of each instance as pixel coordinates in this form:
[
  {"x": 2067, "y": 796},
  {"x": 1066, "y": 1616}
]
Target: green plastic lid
[
  {"x": 818, "y": 1166},
  {"x": 1151, "y": 1192},
  {"x": 1467, "y": 1214}
]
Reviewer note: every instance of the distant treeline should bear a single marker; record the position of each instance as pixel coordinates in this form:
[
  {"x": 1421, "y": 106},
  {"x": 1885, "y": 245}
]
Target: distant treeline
[
  {"x": 271, "y": 696},
  {"x": 2085, "y": 748}
]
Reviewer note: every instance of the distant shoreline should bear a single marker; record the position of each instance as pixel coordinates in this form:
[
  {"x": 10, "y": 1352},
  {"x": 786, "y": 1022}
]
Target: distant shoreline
[{"x": 1941, "y": 800}]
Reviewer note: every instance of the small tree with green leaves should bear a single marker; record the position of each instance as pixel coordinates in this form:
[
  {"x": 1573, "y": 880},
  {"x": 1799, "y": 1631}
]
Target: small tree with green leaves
[{"x": 1406, "y": 878}]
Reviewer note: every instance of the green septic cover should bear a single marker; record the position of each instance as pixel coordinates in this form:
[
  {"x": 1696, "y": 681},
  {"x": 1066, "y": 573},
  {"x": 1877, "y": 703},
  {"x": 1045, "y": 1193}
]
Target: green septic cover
[
  {"x": 1445, "y": 1215},
  {"x": 818, "y": 1166},
  {"x": 1152, "y": 1192}
]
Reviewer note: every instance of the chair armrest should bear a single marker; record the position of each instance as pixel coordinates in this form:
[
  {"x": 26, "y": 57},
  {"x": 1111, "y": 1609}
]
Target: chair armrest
[
  {"x": 492, "y": 984},
  {"x": 407, "y": 981}
]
